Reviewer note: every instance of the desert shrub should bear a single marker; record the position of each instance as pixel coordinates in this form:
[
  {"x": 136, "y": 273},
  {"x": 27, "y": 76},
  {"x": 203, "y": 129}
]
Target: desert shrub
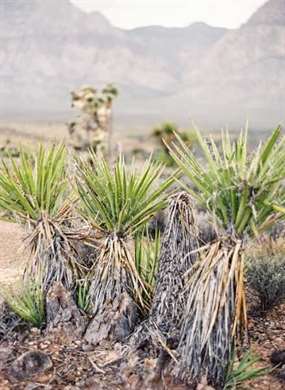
[
  {"x": 266, "y": 276},
  {"x": 165, "y": 135},
  {"x": 243, "y": 370},
  {"x": 9, "y": 150},
  {"x": 27, "y": 302}
]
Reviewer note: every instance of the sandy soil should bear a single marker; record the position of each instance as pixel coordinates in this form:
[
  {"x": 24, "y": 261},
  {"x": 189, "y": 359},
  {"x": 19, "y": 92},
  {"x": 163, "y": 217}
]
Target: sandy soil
[{"x": 12, "y": 254}]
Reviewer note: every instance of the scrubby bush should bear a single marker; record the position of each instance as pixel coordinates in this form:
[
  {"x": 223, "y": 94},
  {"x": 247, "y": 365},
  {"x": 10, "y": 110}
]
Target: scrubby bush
[
  {"x": 165, "y": 135},
  {"x": 266, "y": 276},
  {"x": 27, "y": 302},
  {"x": 243, "y": 370}
]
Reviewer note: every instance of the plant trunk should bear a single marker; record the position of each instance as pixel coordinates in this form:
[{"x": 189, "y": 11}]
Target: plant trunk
[
  {"x": 214, "y": 314},
  {"x": 53, "y": 256},
  {"x": 180, "y": 240},
  {"x": 113, "y": 294},
  {"x": 178, "y": 254}
]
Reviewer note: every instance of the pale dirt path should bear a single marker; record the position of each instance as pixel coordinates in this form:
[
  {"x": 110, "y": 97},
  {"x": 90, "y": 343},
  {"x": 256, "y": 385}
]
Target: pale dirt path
[{"x": 12, "y": 255}]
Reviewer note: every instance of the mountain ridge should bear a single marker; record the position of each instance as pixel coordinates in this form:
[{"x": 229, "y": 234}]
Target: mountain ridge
[
  {"x": 198, "y": 71},
  {"x": 272, "y": 13}
]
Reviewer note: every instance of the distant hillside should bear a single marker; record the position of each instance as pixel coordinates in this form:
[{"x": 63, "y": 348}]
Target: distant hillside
[
  {"x": 242, "y": 75},
  {"x": 209, "y": 74}
]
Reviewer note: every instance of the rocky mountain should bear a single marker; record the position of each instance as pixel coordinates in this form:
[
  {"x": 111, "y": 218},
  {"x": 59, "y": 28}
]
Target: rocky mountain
[
  {"x": 209, "y": 74},
  {"x": 271, "y": 13},
  {"x": 49, "y": 47},
  {"x": 242, "y": 74}
]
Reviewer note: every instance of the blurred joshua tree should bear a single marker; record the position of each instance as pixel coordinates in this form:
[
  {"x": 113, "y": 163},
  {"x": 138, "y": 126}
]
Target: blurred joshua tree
[
  {"x": 110, "y": 93},
  {"x": 93, "y": 127}
]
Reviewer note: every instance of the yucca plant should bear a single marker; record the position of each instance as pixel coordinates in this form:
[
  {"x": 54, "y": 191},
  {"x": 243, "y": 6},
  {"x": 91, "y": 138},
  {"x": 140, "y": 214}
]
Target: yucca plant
[
  {"x": 117, "y": 202},
  {"x": 243, "y": 192},
  {"x": 34, "y": 193},
  {"x": 27, "y": 302},
  {"x": 239, "y": 188},
  {"x": 243, "y": 370}
]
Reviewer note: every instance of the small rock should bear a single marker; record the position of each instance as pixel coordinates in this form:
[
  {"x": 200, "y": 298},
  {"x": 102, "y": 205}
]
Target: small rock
[
  {"x": 278, "y": 358},
  {"x": 30, "y": 364}
]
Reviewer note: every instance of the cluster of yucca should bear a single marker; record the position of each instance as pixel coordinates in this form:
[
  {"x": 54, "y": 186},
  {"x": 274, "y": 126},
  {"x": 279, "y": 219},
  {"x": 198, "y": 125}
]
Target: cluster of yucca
[
  {"x": 27, "y": 301},
  {"x": 116, "y": 201},
  {"x": 200, "y": 291},
  {"x": 244, "y": 194}
]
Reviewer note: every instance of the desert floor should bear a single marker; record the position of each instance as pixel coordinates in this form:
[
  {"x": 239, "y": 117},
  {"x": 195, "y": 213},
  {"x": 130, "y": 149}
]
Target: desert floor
[{"x": 12, "y": 254}]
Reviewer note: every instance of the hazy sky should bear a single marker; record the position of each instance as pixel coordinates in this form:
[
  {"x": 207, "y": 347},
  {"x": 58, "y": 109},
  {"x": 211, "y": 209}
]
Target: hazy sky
[{"x": 133, "y": 13}]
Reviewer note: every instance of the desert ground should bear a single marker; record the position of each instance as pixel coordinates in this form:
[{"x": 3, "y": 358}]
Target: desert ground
[{"x": 12, "y": 253}]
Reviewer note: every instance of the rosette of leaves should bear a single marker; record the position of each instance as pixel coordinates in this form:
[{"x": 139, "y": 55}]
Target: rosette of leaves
[{"x": 33, "y": 191}]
